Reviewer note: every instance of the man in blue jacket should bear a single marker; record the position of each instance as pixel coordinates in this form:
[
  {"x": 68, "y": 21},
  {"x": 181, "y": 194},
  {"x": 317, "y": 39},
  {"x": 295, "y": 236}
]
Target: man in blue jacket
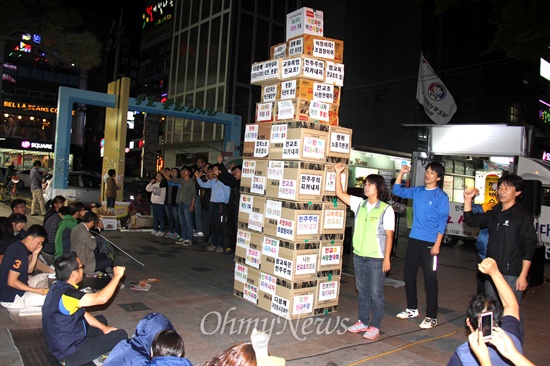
[
  {"x": 136, "y": 351},
  {"x": 430, "y": 214},
  {"x": 74, "y": 336}
]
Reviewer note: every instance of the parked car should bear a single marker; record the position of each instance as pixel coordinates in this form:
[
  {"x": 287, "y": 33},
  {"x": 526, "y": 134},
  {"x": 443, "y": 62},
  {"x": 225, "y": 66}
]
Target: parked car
[
  {"x": 25, "y": 176},
  {"x": 86, "y": 185}
]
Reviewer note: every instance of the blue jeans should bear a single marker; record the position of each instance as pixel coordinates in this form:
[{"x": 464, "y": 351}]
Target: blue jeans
[
  {"x": 158, "y": 216},
  {"x": 198, "y": 215},
  {"x": 369, "y": 281},
  {"x": 173, "y": 218},
  {"x": 186, "y": 220}
]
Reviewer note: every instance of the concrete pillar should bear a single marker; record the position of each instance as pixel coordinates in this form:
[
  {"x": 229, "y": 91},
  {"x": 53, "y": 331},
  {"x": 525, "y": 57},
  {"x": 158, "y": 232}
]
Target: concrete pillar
[{"x": 115, "y": 134}]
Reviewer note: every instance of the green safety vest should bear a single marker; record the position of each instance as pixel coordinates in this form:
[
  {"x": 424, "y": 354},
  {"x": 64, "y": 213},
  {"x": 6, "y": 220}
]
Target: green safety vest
[{"x": 369, "y": 236}]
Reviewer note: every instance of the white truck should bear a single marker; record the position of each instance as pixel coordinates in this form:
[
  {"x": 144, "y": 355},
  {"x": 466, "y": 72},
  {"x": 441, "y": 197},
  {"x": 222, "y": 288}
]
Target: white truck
[{"x": 459, "y": 146}]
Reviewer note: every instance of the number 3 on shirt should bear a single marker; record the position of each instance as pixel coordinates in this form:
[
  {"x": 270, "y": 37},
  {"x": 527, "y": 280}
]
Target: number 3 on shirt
[{"x": 17, "y": 264}]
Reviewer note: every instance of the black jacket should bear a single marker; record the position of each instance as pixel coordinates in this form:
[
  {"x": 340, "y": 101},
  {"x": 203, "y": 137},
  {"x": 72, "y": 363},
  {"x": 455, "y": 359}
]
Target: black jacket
[
  {"x": 512, "y": 236},
  {"x": 235, "y": 185}
]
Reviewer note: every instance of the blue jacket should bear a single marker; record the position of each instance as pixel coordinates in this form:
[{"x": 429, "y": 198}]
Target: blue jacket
[
  {"x": 136, "y": 351},
  {"x": 170, "y": 361}
]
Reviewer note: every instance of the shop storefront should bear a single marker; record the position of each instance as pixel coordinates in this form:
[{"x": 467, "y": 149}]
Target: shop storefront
[
  {"x": 27, "y": 133},
  {"x": 363, "y": 163},
  {"x": 22, "y": 153}
]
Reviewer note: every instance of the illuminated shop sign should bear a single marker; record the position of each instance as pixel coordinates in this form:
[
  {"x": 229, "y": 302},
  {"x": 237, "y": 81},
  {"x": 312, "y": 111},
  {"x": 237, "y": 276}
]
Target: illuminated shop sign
[
  {"x": 36, "y": 145},
  {"x": 157, "y": 13},
  {"x": 31, "y": 107},
  {"x": 544, "y": 111}
]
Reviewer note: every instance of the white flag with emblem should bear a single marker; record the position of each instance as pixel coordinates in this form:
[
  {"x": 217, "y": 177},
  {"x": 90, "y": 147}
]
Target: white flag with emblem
[{"x": 438, "y": 103}]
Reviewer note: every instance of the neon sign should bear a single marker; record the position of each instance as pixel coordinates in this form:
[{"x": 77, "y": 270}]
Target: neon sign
[
  {"x": 544, "y": 112},
  {"x": 157, "y": 13}
]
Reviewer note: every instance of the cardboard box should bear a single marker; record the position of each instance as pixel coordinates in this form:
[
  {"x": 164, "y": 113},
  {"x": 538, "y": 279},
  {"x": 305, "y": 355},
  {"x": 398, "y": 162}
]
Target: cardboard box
[
  {"x": 299, "y": 144},
  {"x": 333, "y": 219},
  {"x": 254, "y": 176},
  {"x": 334, "y": 73},
  {"x": 248, "y": 239},
  {"x": 256, "y": 140},
  {"x": 264, "y": 112},
  {"x": 251, "y": 211},
  {"x": 294, "y": 261},
  {"x": 292, "y": 221},
  {"x": 297, "y": 305},
  {"x": 289, "y": 290},
  {"x": 330, "y": 179},
  {"x": 246, "y": 282},
  {"x": 304, "y": 21},
  {"x": 258, "y": 149},
  {"x": 331, "y": 253},
  {"x": 298, "y": 181},
  {"x": 302, "y": 67},
  {"x": 265, "y": 72},
  {"x": 298, "y": 109},
  {"x": 315, "y": 46},
  {"x": 309, "y": 90},
  {"x": 121, "y": 208},
  {"x": 109, "y": 222},
  {"x": 339, "y": 142},
  {"x": 278, "y": 51},
  {"x": 271, "y": 92},
  {"x": 327, "y": 292},
  {"x": 145, "y": 221}
]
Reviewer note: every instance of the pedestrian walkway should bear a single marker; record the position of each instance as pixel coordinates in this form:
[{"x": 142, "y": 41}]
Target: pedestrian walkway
[{"x": 195, "y": 291}]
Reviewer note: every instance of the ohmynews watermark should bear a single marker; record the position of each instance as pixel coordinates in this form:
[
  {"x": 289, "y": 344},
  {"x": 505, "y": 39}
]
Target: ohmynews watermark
[{"x": 215, "y": 322}]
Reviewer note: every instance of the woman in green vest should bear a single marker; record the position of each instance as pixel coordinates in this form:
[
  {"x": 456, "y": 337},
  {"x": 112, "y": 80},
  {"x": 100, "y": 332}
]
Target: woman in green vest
[{"x": 372, "y": 243}]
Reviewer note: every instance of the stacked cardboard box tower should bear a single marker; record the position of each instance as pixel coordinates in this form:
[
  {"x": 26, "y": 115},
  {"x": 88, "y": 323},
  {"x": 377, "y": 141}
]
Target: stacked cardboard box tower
[{"x": 291, "y": 225}]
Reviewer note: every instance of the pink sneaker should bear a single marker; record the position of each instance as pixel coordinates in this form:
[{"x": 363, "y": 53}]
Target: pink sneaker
[
  {"x": 372, "y": 333},
  {"x": 358, "y": 327}
]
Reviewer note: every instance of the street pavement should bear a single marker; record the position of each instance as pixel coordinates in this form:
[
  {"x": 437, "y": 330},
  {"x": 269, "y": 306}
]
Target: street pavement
[{"x": 195, "y": 291}]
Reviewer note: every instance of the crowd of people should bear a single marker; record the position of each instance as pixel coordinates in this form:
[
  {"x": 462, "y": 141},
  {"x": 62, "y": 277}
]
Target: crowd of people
[
  {"x": 199, "y": 202},
  {"x": 67, "y": 240},
  {"x": 505, "y": 256}
]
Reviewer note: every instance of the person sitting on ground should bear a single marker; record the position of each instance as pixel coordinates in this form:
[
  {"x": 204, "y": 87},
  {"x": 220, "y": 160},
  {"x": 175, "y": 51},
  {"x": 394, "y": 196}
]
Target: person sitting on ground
[
  {"x": 168, "y": 350},
  {"x": 18, "y": 289},
  {"x": 236, "y": 355},
  {"x": 69, "y": 221},
  {"x": 57, "y": 203},
  {"x": 505, "y": 317},
  {"x": 136, "y": 206},
  {"x": 250, "y": 354},
  {"x": 12, "y": 229},
  {"x": 136, "y": 351},
  {"x": 15, "y": 225},
  {"x": 74, "y": 336},
  {"x": 502, "y": 342},
  {"x": 18, "y": 206},
  {"x": 51, "y": 226},
  {"x": 84, "y": 244}
]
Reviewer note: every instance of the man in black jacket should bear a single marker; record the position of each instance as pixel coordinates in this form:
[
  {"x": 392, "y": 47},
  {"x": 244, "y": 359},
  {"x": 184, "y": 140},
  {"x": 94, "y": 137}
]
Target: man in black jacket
[
  {"x": 512, "y": 236},
  {"x": 233, "y": 180}
]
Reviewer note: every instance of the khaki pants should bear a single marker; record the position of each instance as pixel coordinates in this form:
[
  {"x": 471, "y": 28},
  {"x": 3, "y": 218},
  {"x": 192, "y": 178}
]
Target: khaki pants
[{"x": 38, "y": 199}]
